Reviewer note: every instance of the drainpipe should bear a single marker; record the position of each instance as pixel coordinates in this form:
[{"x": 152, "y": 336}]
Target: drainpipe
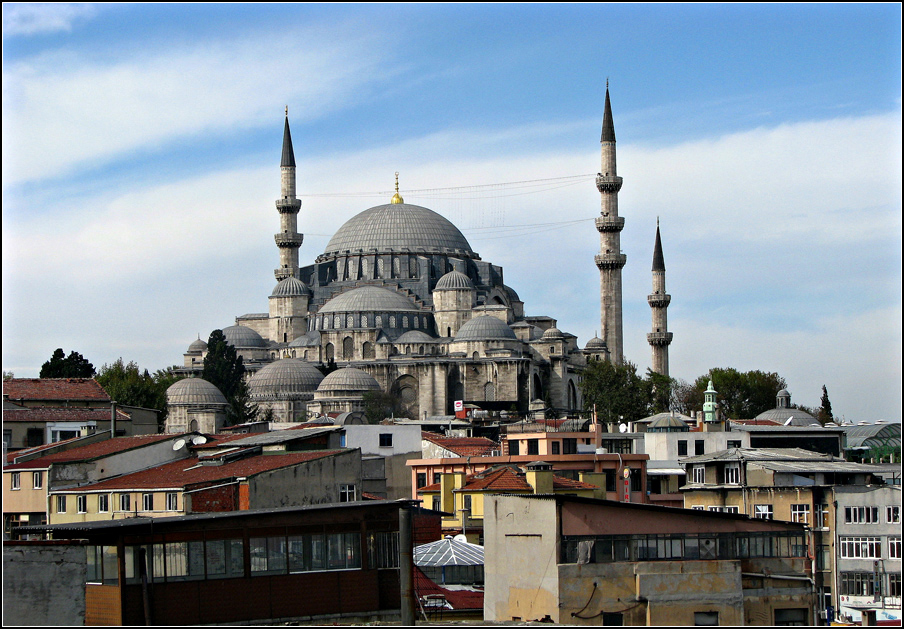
[
  {"x": 406, "y": 566},
  {"x": 112, "y": 419}
]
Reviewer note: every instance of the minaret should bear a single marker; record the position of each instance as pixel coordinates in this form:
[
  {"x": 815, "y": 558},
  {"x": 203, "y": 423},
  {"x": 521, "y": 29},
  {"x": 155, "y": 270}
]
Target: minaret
[
  {"x": 610, "y": 260},
  {"x": 660, "y": 337},
  {"x": 288, "y": 239}
]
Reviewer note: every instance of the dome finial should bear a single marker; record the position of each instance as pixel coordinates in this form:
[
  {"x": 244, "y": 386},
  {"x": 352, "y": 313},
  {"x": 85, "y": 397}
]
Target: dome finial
[
  {"x": 287, "y": 110},
  {"x": 397, "y": 198}
]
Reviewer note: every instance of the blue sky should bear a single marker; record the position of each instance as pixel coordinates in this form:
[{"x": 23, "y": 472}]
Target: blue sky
[{"x": 141, "y": 147}]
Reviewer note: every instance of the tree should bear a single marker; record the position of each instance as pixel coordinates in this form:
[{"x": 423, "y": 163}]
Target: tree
[
  {"x": 224, "y": 369},
  {"x": 742, "y": 395},
  {"x": 127, "y": 384},
  {"x": 686, "y": 397},
  {"x": 616, "y": 391},
  {"x": 8, "y": 375},
  {"x": 824, "y": 414},
  {"x": 378, "y": 405},
  {"x": 661, "y": 389},
  {"x": 61, "y": 366}
]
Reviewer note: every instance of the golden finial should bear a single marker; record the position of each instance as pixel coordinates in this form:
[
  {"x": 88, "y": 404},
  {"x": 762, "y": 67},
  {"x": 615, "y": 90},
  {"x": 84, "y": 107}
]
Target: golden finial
[{"x": 397, "y": 198}]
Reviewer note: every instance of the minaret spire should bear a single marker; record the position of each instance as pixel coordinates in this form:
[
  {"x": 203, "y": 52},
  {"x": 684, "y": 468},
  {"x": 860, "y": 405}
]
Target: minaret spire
[
  {"x": 660, "y": 337},
  {"x": 610, "y": 259},
  {"x": 288, "y": 240}
]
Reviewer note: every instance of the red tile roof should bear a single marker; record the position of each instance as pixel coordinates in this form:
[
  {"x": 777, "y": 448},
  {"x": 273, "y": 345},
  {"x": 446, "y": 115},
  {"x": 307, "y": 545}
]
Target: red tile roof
[
  {"x": 188, "y": 471},
  {"x": 57, "y": 389},
  {"x": 506, "y": 479},
  {"x": 61, "y": 414},
  {"x": 462, "y": 446},
  {"x": 85, "y": 453}
]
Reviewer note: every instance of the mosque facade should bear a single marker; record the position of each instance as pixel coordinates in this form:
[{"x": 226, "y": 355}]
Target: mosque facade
[{"x": 399, "y": 296}]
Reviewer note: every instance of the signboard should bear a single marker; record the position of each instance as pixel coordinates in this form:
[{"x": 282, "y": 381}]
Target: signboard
[
  {"x": 459, "y": 405},
  {"x": 627, "y": 491}
]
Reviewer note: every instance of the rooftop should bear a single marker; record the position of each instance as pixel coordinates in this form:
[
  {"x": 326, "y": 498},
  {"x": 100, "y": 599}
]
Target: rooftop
[
  {"x": 87, "y": 452},
  {"x": 56, "y": 389}
]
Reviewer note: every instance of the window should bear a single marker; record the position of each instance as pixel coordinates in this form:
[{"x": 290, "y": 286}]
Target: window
[
  {"x": 636, "y": 481},
  {"x": 513, "y": 448},
  {"x": 172, "y": 501},
  {"x": 61, "y": 504},
  {"x": 893, "y": 514},
  {"x": 732, "y": 474},
  {"x": 437, "y": 478},
  {"x": 467, "y": 502},
  {"x": 697, "y": 507},
  {"x": 706, "y": 619},
  {"x": 894, "y": 584},
  {"x": 570, "y": 446},
  {"x": 81, "y": 503},
  {"x": 533, "y": 446},
  {"x": 682, "y": 447},
  {"x": 37, "y": 480},
  {"x": 14, "y": 481},
  {"x": 823, "y": 557},
  {"x": 125, "y": 502},
  {"x": 613, "y": 619},
  {"x": 857, "y": 584},
  {"x": 421, "y": 479},
  {"x": 699, "y": 473},
  {"x": 763, "y": 512},
  {"x": 795, "y": 617},
  {"x": 822, "y": 516},
  {"x": 436, "y": 504},
  {"x": 800, "y": 513},
  {"x": 347, "y": 493},
  {"x": 147, "y": 502},
  {"x": 861, "y": 548},
  {"x": 733, "y": 444},
  {"x": 894, "y": 547},
  {"x": 385, "y": 439},
  {"x": 861, "y": 515},
  {"x": 103, "y": 503},
  {"x": 698, "y": 446},
  {"x": 555, "y": 447}
]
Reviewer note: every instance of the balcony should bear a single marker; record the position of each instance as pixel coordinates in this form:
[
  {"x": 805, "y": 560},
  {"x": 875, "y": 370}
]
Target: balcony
[
  {"x": 610, "y": 223},
  {"x": 659, "y": 301},
  {"x": 608, "y": 183},
  {"x": 285, "y": 239},
  {"x": 610, "y": 260},
  {"x": 659, "y": 338},
  {"x": 288, "y": 206}
]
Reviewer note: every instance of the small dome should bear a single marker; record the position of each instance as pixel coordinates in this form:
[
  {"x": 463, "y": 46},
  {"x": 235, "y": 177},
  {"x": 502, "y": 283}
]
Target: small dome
[
  {"x": 194, "y": 391},
  {"x": 788, "y": 416},
  {"x": 241, "y": 336},
  {"x": 349, "y": 379},
  {"x": 197, "y": 346},
  {"x": 291, "y": 287},
  {"x": 454, "y": 280},
  {"x": 311, "y": 339},
  {"x": 596, "y": 343},
  {"x": 484, "y": 328},
  {"x": 668, "y": 424},
  {"x": 415, "y": 336},
  {"x": 370, "y": 299},
  {"x": 553, "y": 333},
  {"x": 285, "y": 378}
]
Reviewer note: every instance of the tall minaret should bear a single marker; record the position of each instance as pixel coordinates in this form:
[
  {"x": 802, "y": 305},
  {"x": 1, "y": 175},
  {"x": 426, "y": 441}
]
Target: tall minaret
[
  {"x": 610, "y": 259},
  {"x": 660, "y": 337},
  {"x": 288, "y": 239}
]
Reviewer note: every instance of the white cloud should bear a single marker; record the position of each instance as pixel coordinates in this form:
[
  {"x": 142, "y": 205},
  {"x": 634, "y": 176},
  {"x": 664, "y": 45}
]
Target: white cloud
[
  {"x": 62, "y": 112},
  {"x": 31, "y": 18}
]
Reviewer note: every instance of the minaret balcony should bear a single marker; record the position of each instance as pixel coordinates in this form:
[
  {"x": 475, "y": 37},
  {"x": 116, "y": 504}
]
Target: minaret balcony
[
  {"x": 608, "y": 183},
  {"x": 610, "y": 260},
  {"x": 286, "y": 239},
  {"x": 610, "y": 223},
  {"x": 659, "y": 339},
  {"x": 288, "y": 206},
  {"x": 659, "y": 301}
]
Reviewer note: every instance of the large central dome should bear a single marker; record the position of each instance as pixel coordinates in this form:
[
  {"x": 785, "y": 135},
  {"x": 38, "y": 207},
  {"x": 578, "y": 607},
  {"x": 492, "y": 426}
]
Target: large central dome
[{"x": 398, "y": 227}]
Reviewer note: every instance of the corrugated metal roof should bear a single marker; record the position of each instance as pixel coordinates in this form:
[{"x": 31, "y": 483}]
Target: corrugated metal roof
[{"x": 448, "y": 552}]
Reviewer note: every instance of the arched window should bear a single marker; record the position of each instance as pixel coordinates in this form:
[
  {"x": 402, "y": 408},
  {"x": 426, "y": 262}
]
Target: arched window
[
  {"x": 396, "y": 267},
  {"x": 392, "y": 321},
  {"x": 363, "y": 321},
  {"x": 489, "y": 392},
  {"x": 352, "y": 267},
  {"x": 475, "y": 356},
  {"x": 381, "y": 268},
  {"x": 348, "y": 348},
  {"x": 337, "y": 321},
  {"x": 193, "y": 426},
  {"x": 378, "y": 323},
  {"x": 412, "y": 267},
  {"x": 572, "y": 396},
  {"x": 350, "y": 321},
  {"x": 330, "y": 352},
  {"x": 365, "y": 269},
  {"x": 367, "y": 350},
  {"x": 405, "y": 322},
  {"x": 417, "y": 322}
]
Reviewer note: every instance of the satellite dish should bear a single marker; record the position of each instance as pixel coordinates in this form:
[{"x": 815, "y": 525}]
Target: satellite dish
[
  {"x": 460, "y": 538},
  {"x": 178, "y": 445},
  {"x": 788, "y": 421},
  {"x": 623, "y": 428},
  {"x": 199, "y": 440}
]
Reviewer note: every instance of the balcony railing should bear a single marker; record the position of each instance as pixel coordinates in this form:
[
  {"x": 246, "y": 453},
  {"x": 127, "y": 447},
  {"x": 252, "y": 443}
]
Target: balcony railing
[
  {"x": 610, "y": 260},
  {"x": 610, "y": 223}
]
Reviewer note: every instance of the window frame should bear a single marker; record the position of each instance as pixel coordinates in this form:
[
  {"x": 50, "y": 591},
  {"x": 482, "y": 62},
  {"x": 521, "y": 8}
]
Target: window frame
[
  {"x": 37, "y": 480},
  {"x": 103, "y": 503},
  {"x": 125, "y": 503},
  {"x": 698, "y": 473},
  {"x": 61, "y": 503},
  {"x": 15, "y": 481},
  {"x": 81, "y": 503},
  {"x": 764, "y": 512},
  {"x": 800, "y": 513},
  {"x": 172, "y": 497},
  {"x": 146, "y": 499}
]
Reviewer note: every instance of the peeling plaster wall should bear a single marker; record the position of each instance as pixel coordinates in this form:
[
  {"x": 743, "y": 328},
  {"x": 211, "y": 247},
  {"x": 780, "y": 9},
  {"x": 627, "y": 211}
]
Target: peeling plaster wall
[{"x": 44, "y": 584}]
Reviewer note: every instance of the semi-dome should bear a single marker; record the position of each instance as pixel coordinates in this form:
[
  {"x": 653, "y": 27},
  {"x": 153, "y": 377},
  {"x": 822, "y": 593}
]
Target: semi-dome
[
  {"x": 454, "y": 280},
  {"x": 194, "y": 391},
  {"x": 370, "y": 299},
  {"x": 197, "y": 346},
  {"x": 349, "y": 379},
  {"x": 485, "y": 328},
  {"x": 397, "y": 227},
  {"x": 291, "y": 287},
  {"x": 286, "y": 377},
  {"x": 242, "y": 336},
  {"x": 415, "y": 336}
]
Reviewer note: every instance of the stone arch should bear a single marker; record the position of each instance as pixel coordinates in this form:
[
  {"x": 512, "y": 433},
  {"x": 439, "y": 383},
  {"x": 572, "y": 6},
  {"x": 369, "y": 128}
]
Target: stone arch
[
  {"x": 367, "y": 350},
  {"x": 572, "y": 396},
  {"x": 406, "y": 390},
  {"x": 455, "y": 389},
  {"x": 330, "y": 351},
  {"x": 537, "y": 387},
  {"x": 476, "y": 355},
  {"x": 193, "y": 426},
  {"x": 348, "y": 348}
]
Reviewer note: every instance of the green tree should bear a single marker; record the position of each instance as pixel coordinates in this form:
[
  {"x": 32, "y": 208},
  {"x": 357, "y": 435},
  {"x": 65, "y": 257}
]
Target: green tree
[
  {"x": 224, "y": 369},
  {"x": 127, "y": 384},
  {"x": 824, "y": 414},
  {"x": 686, "y": 397},
  {"x": 8, "y": 375},
  {"x": 661, "y": 387},
  {"x": 72, "y": 366},
  {"x": 742, "y": 395},
  {"x": 378, "y": 405},
  {"x": 617, "y": 391}
]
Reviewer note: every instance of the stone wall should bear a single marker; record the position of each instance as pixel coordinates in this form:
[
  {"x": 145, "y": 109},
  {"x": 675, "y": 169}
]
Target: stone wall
[{"x": 44, "y": 583}]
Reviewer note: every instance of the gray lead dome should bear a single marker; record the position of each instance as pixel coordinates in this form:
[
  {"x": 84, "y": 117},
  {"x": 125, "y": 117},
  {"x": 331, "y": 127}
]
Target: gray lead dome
[
  {"x": 194, "y": 391},
  {"x": 485, "y": 328},
  {"x": 290, "y": 287},
  {"x": 454, "y": 280},
  {"x": 397, "y": 227},
  {"x": 369, "y": 299},
  {"x": 285, "y": 378},
  {"x": 243, "y": 336}
]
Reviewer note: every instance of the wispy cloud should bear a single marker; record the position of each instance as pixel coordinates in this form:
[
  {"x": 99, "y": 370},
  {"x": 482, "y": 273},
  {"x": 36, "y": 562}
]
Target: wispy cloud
[{"x": 39, "y": 17}]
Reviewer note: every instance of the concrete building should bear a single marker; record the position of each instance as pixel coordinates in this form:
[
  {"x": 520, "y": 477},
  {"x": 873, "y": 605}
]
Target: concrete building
[{"x": 577, "y": 561}]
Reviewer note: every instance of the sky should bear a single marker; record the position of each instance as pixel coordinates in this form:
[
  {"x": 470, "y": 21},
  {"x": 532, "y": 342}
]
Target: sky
[{"x": 141, "y": 147}]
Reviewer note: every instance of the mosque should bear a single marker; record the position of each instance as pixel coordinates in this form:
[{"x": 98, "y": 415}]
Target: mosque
[{"x": 400, "y": 302}]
